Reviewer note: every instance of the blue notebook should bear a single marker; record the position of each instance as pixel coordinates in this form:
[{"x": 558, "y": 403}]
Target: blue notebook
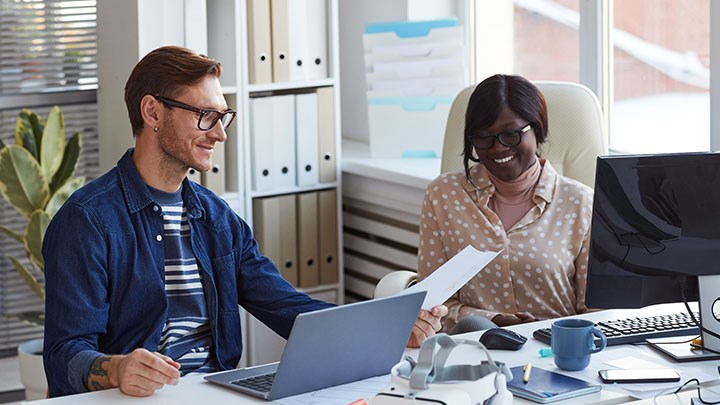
[{"x": 548, "y": 386}]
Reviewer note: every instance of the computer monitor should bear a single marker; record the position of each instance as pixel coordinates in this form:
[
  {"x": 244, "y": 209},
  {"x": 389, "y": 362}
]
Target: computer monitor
[{"x": 655, "y": 230}]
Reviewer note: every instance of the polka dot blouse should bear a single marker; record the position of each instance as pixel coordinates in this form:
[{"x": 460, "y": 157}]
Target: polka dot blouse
[{"x": 542, "y": 267}]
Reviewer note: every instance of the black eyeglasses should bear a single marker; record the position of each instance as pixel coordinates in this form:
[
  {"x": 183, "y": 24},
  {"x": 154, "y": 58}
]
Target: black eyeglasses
[
  {"x": 208, "y": 118},
  {"x": 483, "y": 140}
]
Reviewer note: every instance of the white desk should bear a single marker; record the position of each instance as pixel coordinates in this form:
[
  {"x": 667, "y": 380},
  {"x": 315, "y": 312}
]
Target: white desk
[{"x": 194, "y": 390}]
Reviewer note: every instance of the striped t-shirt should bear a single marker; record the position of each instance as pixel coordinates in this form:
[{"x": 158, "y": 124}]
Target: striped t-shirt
[{"x": 186, "y": 337}]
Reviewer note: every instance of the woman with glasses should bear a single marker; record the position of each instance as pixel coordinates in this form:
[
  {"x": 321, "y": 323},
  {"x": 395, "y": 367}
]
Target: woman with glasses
[{"x": 508, "y": 200}]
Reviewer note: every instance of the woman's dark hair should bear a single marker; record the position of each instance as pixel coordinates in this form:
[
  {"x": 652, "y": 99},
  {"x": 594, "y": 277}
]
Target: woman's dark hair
[
  {"x": 491, "y": 96},
  {"x": 166, "y": 72}
]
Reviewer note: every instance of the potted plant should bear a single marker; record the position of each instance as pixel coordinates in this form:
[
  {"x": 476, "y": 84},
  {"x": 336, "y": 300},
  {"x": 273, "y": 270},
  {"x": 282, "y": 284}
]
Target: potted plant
[{"x": 36, "y": 178}]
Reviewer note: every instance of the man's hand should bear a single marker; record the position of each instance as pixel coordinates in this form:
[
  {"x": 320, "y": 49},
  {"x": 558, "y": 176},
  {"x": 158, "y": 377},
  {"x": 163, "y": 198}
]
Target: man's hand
[
  {"x": 138, "y": 374},
  {"x": 512, "y": 319},
  {"x": 427, "y": 324}
]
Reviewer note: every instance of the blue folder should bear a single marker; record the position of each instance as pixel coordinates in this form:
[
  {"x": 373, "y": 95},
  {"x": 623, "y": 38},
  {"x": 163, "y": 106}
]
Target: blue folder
[
  {"x": 409, "y": 29},
  {"x": 546, "y": 386}
]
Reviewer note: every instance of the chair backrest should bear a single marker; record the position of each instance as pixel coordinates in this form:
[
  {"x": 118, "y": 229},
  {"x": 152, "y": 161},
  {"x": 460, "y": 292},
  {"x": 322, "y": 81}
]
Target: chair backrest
[{"x": 576, "y": 130}]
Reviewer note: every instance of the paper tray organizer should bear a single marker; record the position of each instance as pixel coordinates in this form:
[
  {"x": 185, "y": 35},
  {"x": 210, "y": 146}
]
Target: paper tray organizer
[{"x": 414, "y": 70}]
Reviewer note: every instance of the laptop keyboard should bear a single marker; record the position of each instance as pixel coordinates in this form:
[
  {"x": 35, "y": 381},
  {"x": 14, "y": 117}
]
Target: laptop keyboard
[{"x": 261, "y": 383}]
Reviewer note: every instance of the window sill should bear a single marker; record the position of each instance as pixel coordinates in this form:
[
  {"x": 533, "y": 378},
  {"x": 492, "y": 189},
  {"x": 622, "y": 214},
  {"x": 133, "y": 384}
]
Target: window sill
[{"x": 411, "y": 172}]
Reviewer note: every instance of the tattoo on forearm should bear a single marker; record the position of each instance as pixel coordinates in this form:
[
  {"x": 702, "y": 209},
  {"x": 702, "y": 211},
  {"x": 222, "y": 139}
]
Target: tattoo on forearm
[
  {"x": 98, "y": 375},
  {"x": 96, "y": 386}
]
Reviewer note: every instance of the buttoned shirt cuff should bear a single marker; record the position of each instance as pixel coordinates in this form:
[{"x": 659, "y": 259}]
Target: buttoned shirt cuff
[{"x": 79, "y": 368}]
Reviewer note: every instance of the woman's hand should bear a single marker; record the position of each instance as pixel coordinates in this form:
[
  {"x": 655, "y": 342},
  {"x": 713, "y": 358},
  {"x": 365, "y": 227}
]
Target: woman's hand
[
  {"x": 513, "y": 319},
  {"x": 426, "y": 325}
]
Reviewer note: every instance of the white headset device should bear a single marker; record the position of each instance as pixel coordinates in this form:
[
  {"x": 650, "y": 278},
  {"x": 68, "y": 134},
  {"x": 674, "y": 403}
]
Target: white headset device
[{"x": 430, "y": 380}]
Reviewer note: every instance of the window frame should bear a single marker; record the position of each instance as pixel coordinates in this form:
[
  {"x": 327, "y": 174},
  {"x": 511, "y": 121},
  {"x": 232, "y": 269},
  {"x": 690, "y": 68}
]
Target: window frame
[{"x": 596, "y": 52}]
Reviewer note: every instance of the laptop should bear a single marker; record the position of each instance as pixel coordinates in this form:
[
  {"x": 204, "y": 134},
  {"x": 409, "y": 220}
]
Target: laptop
[{"x": 332, "y": 346}]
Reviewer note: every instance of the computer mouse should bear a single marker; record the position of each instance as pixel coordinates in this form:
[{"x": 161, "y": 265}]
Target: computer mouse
[{"x": 502, "y": 339}]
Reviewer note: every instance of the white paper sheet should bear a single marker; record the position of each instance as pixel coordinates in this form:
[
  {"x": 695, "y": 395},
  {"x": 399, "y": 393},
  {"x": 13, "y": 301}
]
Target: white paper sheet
[
  {"x": 341, "y": 394},
  {"x": 448, "y": 278}
]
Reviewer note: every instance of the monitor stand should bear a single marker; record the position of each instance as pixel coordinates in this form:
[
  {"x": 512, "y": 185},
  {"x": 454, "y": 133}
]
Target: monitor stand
[
  {"x": 709, "y": 305},
  {"x": 709, "y": 288}
]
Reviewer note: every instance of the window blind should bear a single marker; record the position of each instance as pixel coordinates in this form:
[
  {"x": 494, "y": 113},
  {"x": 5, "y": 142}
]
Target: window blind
[
  {"x": 47, "y": 57},
  {"x": 47, "y": 45}
]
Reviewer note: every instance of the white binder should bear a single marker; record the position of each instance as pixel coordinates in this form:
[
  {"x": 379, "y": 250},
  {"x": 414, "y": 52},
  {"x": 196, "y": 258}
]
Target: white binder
[
  {"x": 283, "y": 134},
  {"x": 261, "y": 143},
  {"x": 279, "y": 20},
  {"x": 194, "y": 175},
  {"x": 275, "y": 226},
  {"x": 259, "y": 42},
  {"x": 328, "y": 236},
  {"x": 306, "y": 121},
  {"x": 317, "y": 55},
  {"x": 307, "y": 239},
  {"x": 159, "y": 20},
  {"x": 297, "y": 32},
  {"x": 196, "y": 26},
  {"x": 214, "y": 179},
  {"x": 327, "y": 156}
]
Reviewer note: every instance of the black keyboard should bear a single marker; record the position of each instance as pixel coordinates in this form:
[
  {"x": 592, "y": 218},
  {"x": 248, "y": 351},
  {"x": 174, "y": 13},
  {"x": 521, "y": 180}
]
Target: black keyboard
[
  {"x": 261, "y": 383},
  {"x": 636, "y": 330}
]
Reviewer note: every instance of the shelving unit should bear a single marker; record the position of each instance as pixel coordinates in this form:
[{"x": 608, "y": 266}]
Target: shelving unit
[{"x": 126, "y": 34}]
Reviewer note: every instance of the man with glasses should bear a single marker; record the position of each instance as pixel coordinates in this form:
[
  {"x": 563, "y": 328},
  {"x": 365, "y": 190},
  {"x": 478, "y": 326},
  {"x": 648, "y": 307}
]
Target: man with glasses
[{"x": 145, "y": 269}]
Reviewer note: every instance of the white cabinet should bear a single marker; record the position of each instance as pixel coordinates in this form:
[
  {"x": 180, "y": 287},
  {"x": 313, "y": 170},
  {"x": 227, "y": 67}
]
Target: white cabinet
[{"x": 303, "y": 166}]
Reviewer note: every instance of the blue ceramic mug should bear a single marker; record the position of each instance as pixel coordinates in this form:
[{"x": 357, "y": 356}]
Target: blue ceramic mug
[{"x": 572, "y": 343}]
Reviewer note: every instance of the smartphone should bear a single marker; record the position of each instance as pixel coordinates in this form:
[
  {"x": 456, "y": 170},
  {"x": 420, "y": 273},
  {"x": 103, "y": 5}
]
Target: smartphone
[{"x": 639, "y": 375}]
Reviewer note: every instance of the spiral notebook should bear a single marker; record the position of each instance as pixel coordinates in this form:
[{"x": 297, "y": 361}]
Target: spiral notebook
[{"x": 546, "y": 386}]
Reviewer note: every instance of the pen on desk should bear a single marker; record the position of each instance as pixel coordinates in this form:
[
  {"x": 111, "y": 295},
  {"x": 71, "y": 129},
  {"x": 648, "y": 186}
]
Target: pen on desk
[{"x": 526, "y": 373}]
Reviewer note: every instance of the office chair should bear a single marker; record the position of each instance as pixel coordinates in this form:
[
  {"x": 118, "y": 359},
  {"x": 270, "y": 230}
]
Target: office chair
[{"x": 576, "y": 136}]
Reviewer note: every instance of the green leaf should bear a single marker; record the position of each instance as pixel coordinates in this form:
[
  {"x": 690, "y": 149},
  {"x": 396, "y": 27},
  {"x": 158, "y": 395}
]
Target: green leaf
[
  {"x": 38, "y": 127},
  {"x": 53, "y": 143},
  {"x": 24, "y": 134},
  {"x": 2, "y": 144},
  {"x": 29, "y": 277},
  {"x": 34, "y": 233},
  {"x": 22, "y": 183},
  {"x": 62, "y": 194},
  {"x": 9, "y": 232},
  {"x": 69, "y": 162}
]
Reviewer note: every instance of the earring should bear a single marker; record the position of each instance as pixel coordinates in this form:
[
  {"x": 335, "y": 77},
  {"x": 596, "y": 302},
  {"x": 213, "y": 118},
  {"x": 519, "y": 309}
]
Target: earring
[{"x": 155, "y": 129}]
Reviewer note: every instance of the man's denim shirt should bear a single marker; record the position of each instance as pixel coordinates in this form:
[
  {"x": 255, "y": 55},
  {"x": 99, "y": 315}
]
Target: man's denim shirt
[{"x": 105, "y": 277}]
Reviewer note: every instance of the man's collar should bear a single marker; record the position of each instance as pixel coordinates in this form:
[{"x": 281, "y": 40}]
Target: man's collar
[{"x": 136, "y": 192}]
